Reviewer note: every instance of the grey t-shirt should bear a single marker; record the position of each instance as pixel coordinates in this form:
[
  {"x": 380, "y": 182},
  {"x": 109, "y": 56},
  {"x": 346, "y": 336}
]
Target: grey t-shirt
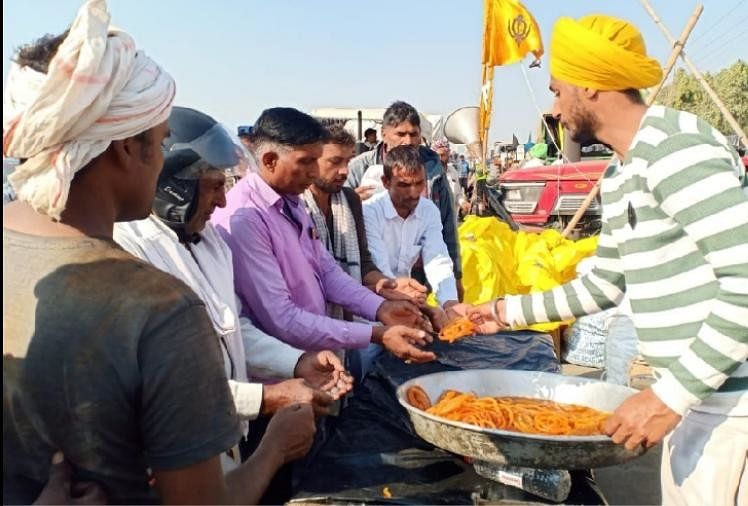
[{"x": 109, "y": 360}]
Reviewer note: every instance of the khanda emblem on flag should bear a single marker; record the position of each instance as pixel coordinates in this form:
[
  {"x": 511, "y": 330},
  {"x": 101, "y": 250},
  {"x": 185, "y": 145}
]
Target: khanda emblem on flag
[
  {"x": 510, "y": 32},
  {"x": 519, "y": 29}
]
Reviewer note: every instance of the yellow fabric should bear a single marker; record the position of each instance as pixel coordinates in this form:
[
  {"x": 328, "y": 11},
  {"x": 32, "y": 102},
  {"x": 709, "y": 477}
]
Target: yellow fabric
[
  {"x": 509, "y": 33},
  {"x": 497, "y": 261},
  {"x": 603, "y": 53}
]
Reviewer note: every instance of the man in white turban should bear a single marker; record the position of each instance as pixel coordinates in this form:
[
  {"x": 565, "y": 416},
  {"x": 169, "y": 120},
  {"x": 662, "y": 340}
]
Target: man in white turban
[
  {"x": 105, "y": 358},
  {"x": 675, "y": 241}
]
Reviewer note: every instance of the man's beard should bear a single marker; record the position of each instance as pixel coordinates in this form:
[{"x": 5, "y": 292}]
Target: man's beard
[
  {"x": 326, "y": 186},
  {"x": 586, "y": 126}
]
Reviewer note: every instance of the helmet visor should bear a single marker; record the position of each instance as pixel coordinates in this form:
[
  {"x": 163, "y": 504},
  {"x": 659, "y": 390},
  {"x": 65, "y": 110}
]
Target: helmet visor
[{"x": 215, "y": 147}]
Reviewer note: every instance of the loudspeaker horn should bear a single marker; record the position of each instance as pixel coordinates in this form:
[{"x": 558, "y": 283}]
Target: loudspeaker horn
[{"x": 461, "y": 127}]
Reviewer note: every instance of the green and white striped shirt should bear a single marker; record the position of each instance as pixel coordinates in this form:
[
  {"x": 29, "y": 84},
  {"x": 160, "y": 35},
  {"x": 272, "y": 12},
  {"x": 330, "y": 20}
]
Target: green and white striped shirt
[{"x": 675, "y": 239}]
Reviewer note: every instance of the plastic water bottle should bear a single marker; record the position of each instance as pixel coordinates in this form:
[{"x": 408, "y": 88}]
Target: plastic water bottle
[{"x": 551, "y": 484}]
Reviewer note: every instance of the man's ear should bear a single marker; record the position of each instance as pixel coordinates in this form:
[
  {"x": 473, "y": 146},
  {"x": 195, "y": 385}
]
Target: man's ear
[
  {"x": 122, "y": 152},
  {"x": 133, "y": 149},
  {"x": 384, "y": 131},
  {"x": 590, "y": 93},
  {"x": 269, "y": 160},
  {"x": 386, "y": 182}
]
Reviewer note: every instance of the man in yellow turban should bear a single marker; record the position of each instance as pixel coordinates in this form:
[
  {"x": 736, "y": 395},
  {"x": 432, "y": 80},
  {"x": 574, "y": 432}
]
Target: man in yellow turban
[
  {"x": 603, "y": 60},
  {"x": 675, "y": 240}
]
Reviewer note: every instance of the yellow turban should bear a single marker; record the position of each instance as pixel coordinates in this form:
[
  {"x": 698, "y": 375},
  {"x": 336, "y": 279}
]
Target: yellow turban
[{"x": 603, "y": 53}]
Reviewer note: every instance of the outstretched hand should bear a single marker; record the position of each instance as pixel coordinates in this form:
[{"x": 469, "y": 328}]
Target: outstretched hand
[
  {"x": 436, "y": 317},
  {"x": 399, "y": 312},
  {"x": 482, "y": 316},
  {"x": 407, "y": 289},
  {"x": 324, "y": 370},
  {"x": 294, "y": 391},
  {"x": 404, "y": 342}
]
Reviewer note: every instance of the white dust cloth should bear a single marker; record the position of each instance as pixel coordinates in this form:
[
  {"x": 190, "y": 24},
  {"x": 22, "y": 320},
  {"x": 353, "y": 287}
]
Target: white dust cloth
[
  {"x": 373, "y": 177},
  {"x": 345, "y": 246},
  {"x": 98, "y": 88}
]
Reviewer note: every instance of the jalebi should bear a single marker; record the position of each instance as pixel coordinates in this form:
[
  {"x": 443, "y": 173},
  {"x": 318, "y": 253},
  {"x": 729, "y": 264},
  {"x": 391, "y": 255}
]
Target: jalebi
[
  {"x": 418, "y": 398},
  {"x": 457, "y": 329},
  {"x": 521, "y": 414}
]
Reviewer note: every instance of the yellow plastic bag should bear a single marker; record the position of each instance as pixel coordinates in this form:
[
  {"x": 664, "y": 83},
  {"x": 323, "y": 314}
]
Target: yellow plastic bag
[{"x": 497, "y": 261}]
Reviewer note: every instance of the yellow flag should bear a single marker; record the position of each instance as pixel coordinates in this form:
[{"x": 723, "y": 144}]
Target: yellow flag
[{"x": 510, "y": 32}]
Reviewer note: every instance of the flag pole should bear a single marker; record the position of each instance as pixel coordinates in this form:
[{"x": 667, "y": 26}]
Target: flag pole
[
  {"x": 509, "y": 32},
  {"x": 487, "y": 75},
  {"x": 677, "y": 51}
]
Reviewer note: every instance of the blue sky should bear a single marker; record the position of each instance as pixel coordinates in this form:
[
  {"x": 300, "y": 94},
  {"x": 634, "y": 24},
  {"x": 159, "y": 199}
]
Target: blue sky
[{"x": 233, "y": 58}]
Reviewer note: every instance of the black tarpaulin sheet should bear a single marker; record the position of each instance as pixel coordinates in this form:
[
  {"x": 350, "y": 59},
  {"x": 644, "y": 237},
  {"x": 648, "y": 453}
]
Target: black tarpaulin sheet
[{"x": 372, "y": 446}]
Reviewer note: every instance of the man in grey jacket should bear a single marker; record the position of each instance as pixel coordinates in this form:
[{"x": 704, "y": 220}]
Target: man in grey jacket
[{"x": 401, "y": 124}]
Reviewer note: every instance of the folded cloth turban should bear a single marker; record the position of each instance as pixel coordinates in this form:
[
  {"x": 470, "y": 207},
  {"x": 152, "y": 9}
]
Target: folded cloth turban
[
  {"x": 440, "y": 143},
  {"x": 603, "y": 53},
  {"x": 98, "y": 89}
]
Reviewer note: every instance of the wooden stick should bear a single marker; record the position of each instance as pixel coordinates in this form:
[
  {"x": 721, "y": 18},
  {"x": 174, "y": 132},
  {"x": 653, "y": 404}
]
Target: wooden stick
[
  {"x": 699, "y": 77},
  {"x": 583, "y": 207},
  {"x": 488, "y": 73},
  {"x": 680, "y": 43},
  {"x": 677, "y": 50}
]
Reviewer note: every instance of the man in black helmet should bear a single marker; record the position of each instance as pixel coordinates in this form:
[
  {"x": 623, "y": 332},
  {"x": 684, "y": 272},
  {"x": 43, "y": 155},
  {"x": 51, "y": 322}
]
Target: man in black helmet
[{"x": 178, "y": 239}]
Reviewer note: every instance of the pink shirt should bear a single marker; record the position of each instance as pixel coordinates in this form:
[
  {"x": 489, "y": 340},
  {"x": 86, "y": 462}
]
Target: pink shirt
[{"x": 283, "y": 275}]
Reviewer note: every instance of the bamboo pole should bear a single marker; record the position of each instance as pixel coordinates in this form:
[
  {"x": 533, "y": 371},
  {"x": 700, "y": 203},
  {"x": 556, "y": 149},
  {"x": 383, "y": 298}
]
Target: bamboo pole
[
  {"x": 488, "y": 75},
  {"x": 678, "y": 46},
  {"x": 699, "y": 77},
  {"x": 680, "y": 43},
  {"x": 480, "y": 152}
]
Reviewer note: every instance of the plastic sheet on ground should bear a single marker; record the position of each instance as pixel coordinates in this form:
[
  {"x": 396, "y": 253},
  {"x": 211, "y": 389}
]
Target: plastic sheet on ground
[
  {"x": 497, "y": 261},
  {"x": 372, "y": 444}
]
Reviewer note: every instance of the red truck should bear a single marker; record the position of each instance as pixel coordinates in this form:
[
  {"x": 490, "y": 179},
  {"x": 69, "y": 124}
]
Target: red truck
[{"x": 549, "y": 195}]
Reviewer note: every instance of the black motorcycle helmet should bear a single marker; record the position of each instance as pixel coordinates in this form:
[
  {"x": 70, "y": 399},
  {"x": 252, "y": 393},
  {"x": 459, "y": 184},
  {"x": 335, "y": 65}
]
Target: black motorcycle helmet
[{"x": 196, "y": 143}]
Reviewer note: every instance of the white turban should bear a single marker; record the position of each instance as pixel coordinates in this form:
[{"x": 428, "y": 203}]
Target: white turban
[{"x": 98, "y": 89}]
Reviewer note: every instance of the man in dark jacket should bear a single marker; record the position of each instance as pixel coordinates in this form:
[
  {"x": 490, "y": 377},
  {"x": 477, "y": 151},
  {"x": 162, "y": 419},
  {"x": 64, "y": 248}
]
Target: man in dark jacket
[{"x": 401, "y": 124}]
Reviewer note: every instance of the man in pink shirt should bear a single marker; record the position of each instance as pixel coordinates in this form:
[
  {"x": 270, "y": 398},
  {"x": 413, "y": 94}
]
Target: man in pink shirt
[{"x": 283, "y": 274}]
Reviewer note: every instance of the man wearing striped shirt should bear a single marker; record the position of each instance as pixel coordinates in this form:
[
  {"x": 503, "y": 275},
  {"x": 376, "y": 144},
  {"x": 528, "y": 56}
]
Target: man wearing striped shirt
[{"x": 675, "y": 239}]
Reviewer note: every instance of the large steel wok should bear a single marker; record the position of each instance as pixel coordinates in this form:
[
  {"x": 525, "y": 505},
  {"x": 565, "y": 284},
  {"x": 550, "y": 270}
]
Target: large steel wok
[{"x": 514, "y": 448}]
